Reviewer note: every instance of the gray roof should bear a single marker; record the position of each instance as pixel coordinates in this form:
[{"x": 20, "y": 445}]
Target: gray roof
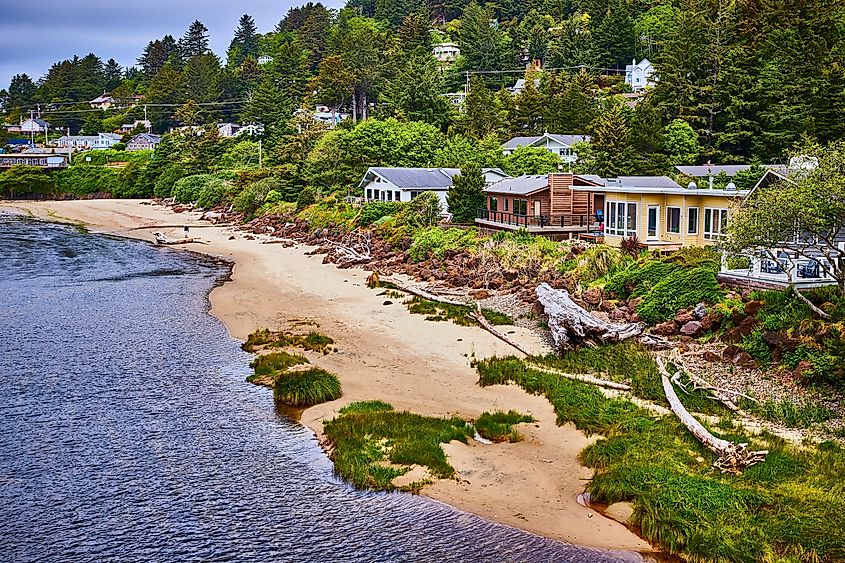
[
  {"x": 706, "y": 170},
  {"x": 521, "y": 185},
  {"x": 594, "y": 179},
  {"x": 526, "y": 141},
  {"x": 145, "y": 137},
  {"x": 643, "y": 182},
  {"x": 415, "y": 177}
]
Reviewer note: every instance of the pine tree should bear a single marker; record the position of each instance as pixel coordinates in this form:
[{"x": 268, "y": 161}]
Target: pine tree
[
  {"x": 466, "y": 195},
  {"x": 414, "y": 33},
  {"x": 416, "y": 93},
  {"x": 201, "y": 78},
  {"x": 245, "y": 42},
  {"x": 21, "y": 91},
  {"x": 195, "y": 41},
  {"x": 188, "y": 113},
  {"x": 158, "y": 53},
  {"x": 611, "y": 143},
  {"x": 526, "y": 117},
  {"x": 482, "y": 115},
  {"x": 483, "y": 46},
  {"x": 113, "y": 74},
  {"x": 572, "y": 108}
]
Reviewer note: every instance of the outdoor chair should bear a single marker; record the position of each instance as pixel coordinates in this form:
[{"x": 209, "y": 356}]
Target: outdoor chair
[{"x": 809, "y": 269}]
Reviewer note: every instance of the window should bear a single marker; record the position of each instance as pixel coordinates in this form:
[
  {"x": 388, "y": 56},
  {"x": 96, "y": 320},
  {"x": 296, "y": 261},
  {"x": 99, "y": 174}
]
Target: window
[
  {"x": 692, "y": 220},
  {"x": 505, "y": 204},
  {"x": 494, "y": 203},
  {"x": 415, "y": 194},
  {"x": 397, "y": 195},
  {"x": 369, "y": 193},
  {"x": 621, "y": 218},
  {"x": 389, "y": 196},
  {"x": 673, "y": 220},
  {"x": 715, "y": 223},
  {"x": 520, "y": 206}
]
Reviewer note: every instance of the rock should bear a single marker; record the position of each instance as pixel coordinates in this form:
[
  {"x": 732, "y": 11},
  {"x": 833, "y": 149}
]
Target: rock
[
  {"x": 744, "y": 359},
  {"x": 730, "y": 352},
  {"x": 803, "y": 367},
  {"x": 712, "y": 357},
  {"x": 692, "y": 328},
  {"x": 537, "y": 309},
  {"x": 510, "y": 275},
  {"x": 609, "y": 306},
  {"x": 683, "y": 317},
  {"x": 388, "y": 302},
  {"x": 622, "y": 512},
  {"x": 618, "y": 315},
  {"x": 480, "y": 294},
  {"x": 752, "y": 308},
  {"x": 592, "y": 296},
  {"x": 665, "y": 329},
  {"x": 706, "y": 322},
  {"x": 700, "y": 311},
  {"x": 746, "y": 327}
]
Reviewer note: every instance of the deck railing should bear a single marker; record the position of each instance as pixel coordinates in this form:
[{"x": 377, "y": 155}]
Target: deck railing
[{"x": 542, "y": 221}]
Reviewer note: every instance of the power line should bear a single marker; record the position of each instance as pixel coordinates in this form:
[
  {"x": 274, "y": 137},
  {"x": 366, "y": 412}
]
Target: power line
[
  {"x": 60, "y": 112},
  {"x": 523, "y": 70}
]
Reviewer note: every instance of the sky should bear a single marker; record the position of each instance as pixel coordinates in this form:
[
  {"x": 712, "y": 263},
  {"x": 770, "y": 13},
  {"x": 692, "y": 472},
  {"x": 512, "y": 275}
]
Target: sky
[{"x": 35, "y": 35}]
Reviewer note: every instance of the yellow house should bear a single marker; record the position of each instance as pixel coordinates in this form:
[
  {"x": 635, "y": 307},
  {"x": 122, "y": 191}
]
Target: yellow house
[{"x": 662, "y": 214}]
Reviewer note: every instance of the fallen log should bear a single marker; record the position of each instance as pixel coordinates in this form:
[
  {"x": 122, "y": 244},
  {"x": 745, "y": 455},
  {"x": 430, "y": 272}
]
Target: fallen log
[
  {"x": 571, "y": 324},
  {"x": 420, "y": 292},
  {"x": 732, "y": 458},
  {"x": 485, "y": 324},
  {"x": 162, "y": 239},
  {"x": 583, "y": 378}
]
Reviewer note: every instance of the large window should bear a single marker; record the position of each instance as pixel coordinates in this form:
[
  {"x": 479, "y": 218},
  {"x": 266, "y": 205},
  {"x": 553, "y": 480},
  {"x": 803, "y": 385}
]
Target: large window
[
  {"x": 673, "y": 220},
  {"x": 715, "y": 223},
  {"x": 621, "y": 218},
  {"x": 692, "y": 220},
  {"x": 494, "y": 203},
  {"x": 520, "y": 206},
  {"x": 505, "y": 203},
  {"x": 369, "y": 193}
]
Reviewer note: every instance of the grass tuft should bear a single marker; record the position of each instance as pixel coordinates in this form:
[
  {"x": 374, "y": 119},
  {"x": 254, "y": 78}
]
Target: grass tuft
[
  {"x": 373, "y": 444},
  {"x": 788, "y": 413},
  {"x": 306, "y": 388},
  {"x": 265, "y": 338},
  {"x": 499, "y": 426},
  {"x": 458, "y": 314}
]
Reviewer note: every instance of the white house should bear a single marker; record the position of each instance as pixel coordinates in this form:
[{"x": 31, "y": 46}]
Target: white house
[
  {"x": 36, "y": 125},
  {"x": 228, "y": 129},
  {"x": 560, "y": 145},
  {"x": 102, "y": 102},
  {"x": 265, "y": 59},
  {"x": 404, "y": 184},
  {"x": 446, "y": 52},
  {"x": 106, "y": 140},
  {"x": 76, "y": 142},
  {"x": 129, "y": 127},
  {"x": 640, "y": 75},
  {"x": 520, "y": 85},
  {"x": 144, "y": 141}
]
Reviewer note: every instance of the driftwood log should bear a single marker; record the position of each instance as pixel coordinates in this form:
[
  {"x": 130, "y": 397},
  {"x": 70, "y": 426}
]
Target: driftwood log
[
  {"x": 732, "y": 458},
  {"x": 572, "y": 325},
  {"x": 420, "y": 292},
  {"x": 485, "y": 324},
  {"x": 162, "y": 239},
  {"x": 582, "y": 377}
]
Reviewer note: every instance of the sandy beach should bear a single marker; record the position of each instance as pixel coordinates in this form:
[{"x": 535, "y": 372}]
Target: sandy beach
[{"x": 384, "y": 352}]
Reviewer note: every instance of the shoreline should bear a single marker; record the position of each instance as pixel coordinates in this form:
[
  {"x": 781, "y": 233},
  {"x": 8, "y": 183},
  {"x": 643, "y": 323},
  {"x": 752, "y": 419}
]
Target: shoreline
[{"x": 386, "y": 353}]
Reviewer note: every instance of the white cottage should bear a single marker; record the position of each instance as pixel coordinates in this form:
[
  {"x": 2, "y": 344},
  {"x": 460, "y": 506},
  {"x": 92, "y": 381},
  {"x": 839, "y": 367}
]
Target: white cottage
[
  {"x": 640, "y": 75},
  {"x": 560, "y": 145},
  {"x": 404, "y": 184}
]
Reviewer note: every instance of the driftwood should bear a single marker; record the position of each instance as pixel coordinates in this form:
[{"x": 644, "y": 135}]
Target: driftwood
[
  {"x": 420, "y": 292},
  {"x": 572, "y": 325},
  {"x": 356, "y": 248},
  {"x": 583, "y": 378},
  {"x": 162, "y": 239},
  {"x": 732, "y": 458},
  {"x": 719, "y": 394},
  {"x": 485, "y": 324}
]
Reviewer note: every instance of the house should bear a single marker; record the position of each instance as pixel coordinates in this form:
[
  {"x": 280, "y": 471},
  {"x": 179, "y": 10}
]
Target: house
[
  {"x": 76, "y": 142},
  {"x": 102, "y": 102},
  {"x": 520, "y": 85},
  {"x": 106, "y": 140},
  {"x": 228, "y": 129},
  {"x": 34, "y": 125},
  {"x": 446, "y": 52},
  {"x": 265, "y": 59},
  {"x": 710, "y": 171},
  {"x": 46, "y": 161},
  {"x": 143, "y": 141},
  {"x": 404, "y": 184},
  {"x": 640, "y": 75},
  {"x": 663, "y": 215},
  {"x": 560, "y": 145},
  {"x": 251, "y": 130},
  {"x": 129, "y": 127},
  {"x": 544, "y": 204}
]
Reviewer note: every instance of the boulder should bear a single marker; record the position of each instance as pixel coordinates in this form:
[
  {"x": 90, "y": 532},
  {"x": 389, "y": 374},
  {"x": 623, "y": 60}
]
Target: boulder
[
  {"x": 744, "y": 359},
  {"x": 684, "y": 317},
  {"x": 699, "y": 311},
  {"x": 592, "y": 296},
  {"x": 730, "y": 352},
  {"x": 752, "y": 308},
  {"x": 622, "y": 512},
  {"x": 665, "y": 329},
  {"x": 480, "y": 294},
  {"x": 692, "y": 328}
]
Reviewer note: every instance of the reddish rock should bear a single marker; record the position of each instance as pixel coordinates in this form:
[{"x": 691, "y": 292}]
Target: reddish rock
[
  {"x": 537, "y": 308},
  {"x": 712, "y": 356},
  {"x": 684, "y": 317},
  {"x": 479, "y": 295},
  {"x": 744, "y": 359},
  {"x": 692, "y": 328},
  {"x": 610, "y": 306},
  {"x": 752, "y": 308},
  {"x": 730, "y": 352},
  {"x": 665, "y": 329},
  {"x": 618, "y": 315},
  {"x": 747, "y": 326},
  {"x": 510, "y": 275},
  {"x": 592, "y": 296}
]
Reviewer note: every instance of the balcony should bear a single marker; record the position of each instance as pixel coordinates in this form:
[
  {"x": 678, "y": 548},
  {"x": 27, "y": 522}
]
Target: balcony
[
  {"x": 763, "y": 271},
  {"x": 503, "y": 220}
]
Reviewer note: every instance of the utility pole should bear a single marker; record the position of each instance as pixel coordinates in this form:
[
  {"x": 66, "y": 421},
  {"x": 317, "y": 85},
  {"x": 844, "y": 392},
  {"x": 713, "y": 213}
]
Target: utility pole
[
  {"x": 31, "y": 127},
  {"x": 260, "y": 154},
  {"x": 147, "y": 121}
]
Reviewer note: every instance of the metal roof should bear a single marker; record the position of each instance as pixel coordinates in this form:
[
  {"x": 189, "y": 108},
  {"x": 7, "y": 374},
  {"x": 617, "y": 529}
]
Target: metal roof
[
  {"x": 521, "y": 185},
  {"x": 643, "y": 182},
  {"x": 415, "y": 177},
  {"x": 706, "y": 170},
  {"x": 617, "y": 189},
  {"x": 529, "y": 141}
]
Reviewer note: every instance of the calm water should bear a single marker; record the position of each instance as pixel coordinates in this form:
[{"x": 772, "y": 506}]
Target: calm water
[{"x": 127, "y": 431}]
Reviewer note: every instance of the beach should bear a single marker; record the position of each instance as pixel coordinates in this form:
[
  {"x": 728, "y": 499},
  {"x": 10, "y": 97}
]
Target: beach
[{"x": 386, "y": 353}]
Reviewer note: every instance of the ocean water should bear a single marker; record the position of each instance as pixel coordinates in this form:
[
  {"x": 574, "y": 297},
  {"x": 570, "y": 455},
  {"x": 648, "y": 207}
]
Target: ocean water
[{"x": 128, "y": 433}]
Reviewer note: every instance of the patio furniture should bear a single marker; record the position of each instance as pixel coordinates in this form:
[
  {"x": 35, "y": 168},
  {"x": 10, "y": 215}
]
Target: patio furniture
[{"x": 809, "y": 269}]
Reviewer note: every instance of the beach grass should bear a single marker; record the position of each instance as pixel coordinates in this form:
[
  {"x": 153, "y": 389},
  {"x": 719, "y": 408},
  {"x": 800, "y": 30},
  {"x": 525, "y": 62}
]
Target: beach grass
[
  {"x": 499, "y": 426},
  {"x": 266, "y": 338},
  {"x": 791, "y": 508},
  {"x": 372, "y": 444},
  {"x": 458, "y": 314},
  {"x": 276, "y": 361},
  {"x": 306, "y": 388},
  {"x": 789, "y": 413}
]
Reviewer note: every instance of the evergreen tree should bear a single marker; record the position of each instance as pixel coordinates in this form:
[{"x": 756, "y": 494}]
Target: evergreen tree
[
  {"x": 611, "y": 143},
  {"x": 466, "y": 195},
  {"x": 188, "y": 113},
  {"x": 571, "y": 108},
  {"x": 526, "y": 116},
  {"x": 680, "y": 143},
  {"x": 21, "y": 91},
  {"x": 195, "y": 41},
  {"x": 483, "y": 46},
  {"x": 201, "y": 78},
  {"x": 414, "y": 33},
  {"x": 416, "y": 93},
  {"x": 482, "y": 114},
  {"x": 113, "y": 74},
  {"x": 158, "y": 53},
  {"x": 245, "y": 42}
]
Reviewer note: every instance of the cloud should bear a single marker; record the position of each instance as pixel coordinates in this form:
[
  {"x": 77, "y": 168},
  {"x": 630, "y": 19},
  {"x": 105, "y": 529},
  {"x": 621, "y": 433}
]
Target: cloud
[{"x": 35, "y": 35}]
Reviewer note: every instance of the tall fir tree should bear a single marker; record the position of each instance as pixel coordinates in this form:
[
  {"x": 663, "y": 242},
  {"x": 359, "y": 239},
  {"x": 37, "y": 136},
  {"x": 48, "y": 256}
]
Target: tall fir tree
[
  {"x": 245, "y": 42},
  {"x": 195, "y": 41}
]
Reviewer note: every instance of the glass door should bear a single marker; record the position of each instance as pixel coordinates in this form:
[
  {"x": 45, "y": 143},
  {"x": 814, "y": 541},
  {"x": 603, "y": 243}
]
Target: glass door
[{"x": 653, "y": 222}]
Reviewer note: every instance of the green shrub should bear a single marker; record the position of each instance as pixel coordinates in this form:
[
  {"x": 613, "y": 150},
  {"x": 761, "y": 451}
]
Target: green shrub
[
  {"x": 306, "y": 388},
  {"x": 367, "y": 406},
  {"x": 276, "y": 361},
  {"x": 166, "y": 180},
  {"x": 422, "y": 211},
  {"x": 254, "y": 195},
  {"x": 435, "y": 241},
  {"x": 374, "y": 211},
  {"x": 212, "y": 193},
  {"x": 85, "y": 179},
  {"x": 188, "y": 189},
  {"x": 499, "y": 426},
  {"x": 308, "y": 196},
  {"x": 679, "y": 289},
  {"x": 757, "y": 347},
  {"x": 640, "y": 278}
]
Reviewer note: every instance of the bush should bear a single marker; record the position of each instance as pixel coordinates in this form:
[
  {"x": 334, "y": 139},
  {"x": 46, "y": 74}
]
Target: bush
[
  {"x": 376, "y": 210},
  {"x": 254, "y": 195},
  {"x": 212, "y": 193},
  {"x": 166, "y": 180},
  {"x": 499, "y": 426},
  {"x": 308, "y": 196},
  {"x": 188, "y": 189},
  {"x": 306, "y": 388},
  {"x": 329, "y": 212},
  {"x": 422, "y": 211},
  {"x": 435, "y": 241},
  {"x": 85, "y": 179},
  {"x": 679, "y": 289},
  {"x": 276, "y": 361}
]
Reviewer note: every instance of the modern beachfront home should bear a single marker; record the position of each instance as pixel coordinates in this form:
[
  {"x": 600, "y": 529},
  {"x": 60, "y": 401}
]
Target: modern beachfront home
[
  {"x": 662, "y": 214},
  {"x": 560, "y": 145},
  {"x": 40, "y": 160},
  {"x": 544, "y": 204},
  {"x": 404, "y": 184}
]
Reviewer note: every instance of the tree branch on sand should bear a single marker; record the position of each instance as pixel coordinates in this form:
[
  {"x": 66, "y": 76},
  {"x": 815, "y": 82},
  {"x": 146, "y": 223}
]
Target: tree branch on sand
[
  {"x": 355, "y": 248},
  {"x": 732, "y": 458},
  {"x": 162, "y": 239}
]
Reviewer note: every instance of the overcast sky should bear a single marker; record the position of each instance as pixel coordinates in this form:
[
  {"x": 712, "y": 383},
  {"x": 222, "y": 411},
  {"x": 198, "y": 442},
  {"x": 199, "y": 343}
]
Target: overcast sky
[{"x": 34, "y": 35}]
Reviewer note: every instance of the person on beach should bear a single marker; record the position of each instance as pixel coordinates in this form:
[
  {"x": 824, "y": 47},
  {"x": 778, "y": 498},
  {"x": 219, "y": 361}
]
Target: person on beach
[{"x": 185, "y": 228}]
